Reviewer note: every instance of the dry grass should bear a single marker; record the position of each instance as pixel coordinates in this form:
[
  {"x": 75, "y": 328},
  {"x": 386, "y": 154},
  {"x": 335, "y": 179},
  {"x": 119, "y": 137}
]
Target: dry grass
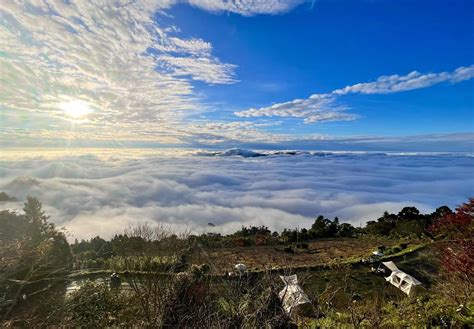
[{"x": 323, "y": 251}]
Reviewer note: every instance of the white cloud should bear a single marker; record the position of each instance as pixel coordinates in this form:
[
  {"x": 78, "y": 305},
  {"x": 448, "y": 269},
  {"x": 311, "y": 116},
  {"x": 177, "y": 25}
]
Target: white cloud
[
  {"x": 325, "y": 107},
  {"x": 192, "y": 46},
  {"x": 316, "y": 108},
  {"x": 247, "y": 7},
  {"x": 414, "y": 80},
  {"x": 114, "y": 55},
  {"x": 206, "y": 69},
  {"x": 102, "y": 191},
  {"x": 235, "y": 132}
]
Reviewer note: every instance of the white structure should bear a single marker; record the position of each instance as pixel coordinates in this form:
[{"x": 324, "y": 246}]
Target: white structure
[
  {"x": 293, "y": 297},
  {"x": 405, "y": 282},
  {"x": 377, "y": 253},
  {"x": 375, "y": 257},
  {"x": 240, "y": 268}
]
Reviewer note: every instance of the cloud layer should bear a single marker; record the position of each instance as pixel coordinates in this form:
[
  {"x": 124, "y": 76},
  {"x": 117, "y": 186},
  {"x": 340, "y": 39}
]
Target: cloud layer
[{"x": 103, "y": 191}]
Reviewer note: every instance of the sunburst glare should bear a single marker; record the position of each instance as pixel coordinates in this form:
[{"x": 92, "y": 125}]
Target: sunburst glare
[{"x": 76, "y": 109}]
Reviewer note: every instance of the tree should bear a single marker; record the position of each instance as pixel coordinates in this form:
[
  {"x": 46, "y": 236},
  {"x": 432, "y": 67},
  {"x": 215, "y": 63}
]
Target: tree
[
  {"x": 324, "y": 228},
  {"x": 379, "y": 227},
  {"x": 319, "y": 227},
  {"x": 253, "y": 231},
  {"x": 458, "y": 228},
  {"x": 13, "y": 226},
  {"x": 304, "y": 235},
  {"x": 441, "y": 212},
  {"x": 409, "y": 213},
  {"x": 40, "y": 228},
  {"x": 289, "y": 236},
  {"x": 457, "y": 248},
  {"x": 389, "y": 218},
  {"x": 346, "y": 230},
  {"x": 332, "y": 227}
]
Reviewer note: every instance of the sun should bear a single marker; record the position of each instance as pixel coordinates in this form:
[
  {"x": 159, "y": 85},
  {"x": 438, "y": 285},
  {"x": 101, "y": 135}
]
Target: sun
[{"x": 76, "y": 109}]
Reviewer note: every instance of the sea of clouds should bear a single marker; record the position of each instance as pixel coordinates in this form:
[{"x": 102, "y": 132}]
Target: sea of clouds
[{"x": 101, "y": 192}]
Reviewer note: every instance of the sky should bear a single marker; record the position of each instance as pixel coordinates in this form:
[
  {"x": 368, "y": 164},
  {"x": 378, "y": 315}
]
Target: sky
[
  {"x": 114, "y": 112},
  {"x": 326, "y": 74}
]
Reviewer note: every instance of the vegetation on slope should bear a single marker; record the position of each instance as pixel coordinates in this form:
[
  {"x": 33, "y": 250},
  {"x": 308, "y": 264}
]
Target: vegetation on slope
[{"x": 178, "y": 281}]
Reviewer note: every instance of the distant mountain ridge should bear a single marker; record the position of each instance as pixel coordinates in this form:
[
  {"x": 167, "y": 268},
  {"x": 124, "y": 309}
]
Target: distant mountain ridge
[{"x": 245, "y": 153}]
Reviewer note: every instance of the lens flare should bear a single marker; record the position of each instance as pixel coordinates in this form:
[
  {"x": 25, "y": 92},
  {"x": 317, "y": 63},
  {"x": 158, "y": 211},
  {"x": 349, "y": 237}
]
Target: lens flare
[{"x": 76, "y": 109}]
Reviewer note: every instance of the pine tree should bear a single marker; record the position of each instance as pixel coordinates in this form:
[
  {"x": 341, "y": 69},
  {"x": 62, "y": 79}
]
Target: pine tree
[{"x": 37, "y": 218}]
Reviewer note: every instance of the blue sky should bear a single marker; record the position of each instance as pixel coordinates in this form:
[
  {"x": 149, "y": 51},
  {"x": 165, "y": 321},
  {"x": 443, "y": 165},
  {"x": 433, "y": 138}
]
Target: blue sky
[
  {"x": 321, "y": 47},
  {"x": 224, "y": 73}
]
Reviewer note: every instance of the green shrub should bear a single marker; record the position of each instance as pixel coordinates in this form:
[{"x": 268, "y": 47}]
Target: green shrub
[
  {"x": 392, "y": 251},
  {"x": 423, "y": 313}
]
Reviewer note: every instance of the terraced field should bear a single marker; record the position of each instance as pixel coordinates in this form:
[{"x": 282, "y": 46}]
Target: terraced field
[{"x": 323, "y": 251}]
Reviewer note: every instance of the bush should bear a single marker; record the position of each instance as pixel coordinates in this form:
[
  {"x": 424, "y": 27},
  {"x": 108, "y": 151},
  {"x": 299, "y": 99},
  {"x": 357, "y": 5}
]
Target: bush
[
  {"x": 302, "y": 245},
  {"x": 425, "y": 313},
  {"x": 95, "y": 305},
  {"x": 403, "y": 245},
  {"x": 255, "y": 306}
]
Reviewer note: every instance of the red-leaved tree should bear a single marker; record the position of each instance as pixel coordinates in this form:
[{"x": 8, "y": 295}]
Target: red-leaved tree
[{"x": 457, "y": 246}]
